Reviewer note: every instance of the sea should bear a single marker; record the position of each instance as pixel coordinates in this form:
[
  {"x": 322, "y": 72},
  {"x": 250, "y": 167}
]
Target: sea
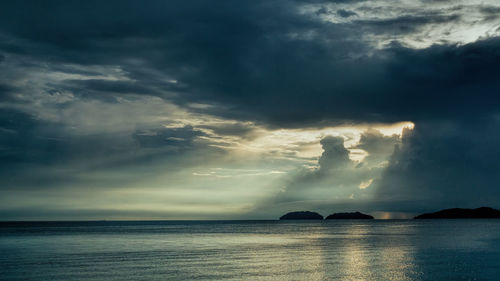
[{"x": 251, "y": 250}]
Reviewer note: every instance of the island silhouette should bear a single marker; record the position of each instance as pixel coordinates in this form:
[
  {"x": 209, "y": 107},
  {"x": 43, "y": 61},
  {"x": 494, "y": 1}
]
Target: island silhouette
[
  {"x": 308, "y": 215},
  {"x": 459, "y": 213},
  {"x": 350, "y": 216},
  {"x": 301, "y": 215},
  {"x": 454, "y": 213}
]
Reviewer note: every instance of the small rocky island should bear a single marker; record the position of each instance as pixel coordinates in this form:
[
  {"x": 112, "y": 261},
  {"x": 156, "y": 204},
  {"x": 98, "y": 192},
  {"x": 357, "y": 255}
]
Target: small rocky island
[
  {"x": 353, "y": 215},
  {"x": 302, "y": 215},
  {"x": 458, "y": 213}
]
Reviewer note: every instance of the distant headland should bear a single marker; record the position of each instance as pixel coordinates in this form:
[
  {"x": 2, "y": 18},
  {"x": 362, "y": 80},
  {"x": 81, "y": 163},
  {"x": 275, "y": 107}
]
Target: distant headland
[
  {"x": 307, "y": 215},
  {"x": 459, "y": 213}
]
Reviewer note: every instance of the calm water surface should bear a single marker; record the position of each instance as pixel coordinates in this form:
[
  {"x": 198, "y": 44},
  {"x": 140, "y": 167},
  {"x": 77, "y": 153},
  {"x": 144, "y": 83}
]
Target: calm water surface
[{"x": 252, "y": 250}]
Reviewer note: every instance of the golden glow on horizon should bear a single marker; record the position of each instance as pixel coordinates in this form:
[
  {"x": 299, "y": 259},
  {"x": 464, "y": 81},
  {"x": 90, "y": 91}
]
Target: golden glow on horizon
[{"x": 305, "y": 143}]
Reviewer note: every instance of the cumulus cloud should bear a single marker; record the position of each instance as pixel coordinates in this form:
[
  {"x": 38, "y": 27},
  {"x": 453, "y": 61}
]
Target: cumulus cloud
[
  {"x": 337, "y": 181},
  {"x": 335, "y": 155},
  {"x": 377, "y": 145}
]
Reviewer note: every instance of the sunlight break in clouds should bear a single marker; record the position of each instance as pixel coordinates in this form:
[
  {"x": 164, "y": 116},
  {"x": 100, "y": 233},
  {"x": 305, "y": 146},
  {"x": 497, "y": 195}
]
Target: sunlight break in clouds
[
  {"x": 305, "y": 142},
  {"x": 168, "y": 108}
]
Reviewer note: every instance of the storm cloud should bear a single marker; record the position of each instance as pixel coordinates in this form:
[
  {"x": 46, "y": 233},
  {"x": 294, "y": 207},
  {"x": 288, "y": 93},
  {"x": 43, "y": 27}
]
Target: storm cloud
[
  {"x": 165, "y": 95},
  {"x": 443, "y": 164}
]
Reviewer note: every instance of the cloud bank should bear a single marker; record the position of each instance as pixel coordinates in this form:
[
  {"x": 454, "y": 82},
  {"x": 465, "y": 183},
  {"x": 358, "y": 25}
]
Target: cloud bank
[{"x": 107, "y": 107}]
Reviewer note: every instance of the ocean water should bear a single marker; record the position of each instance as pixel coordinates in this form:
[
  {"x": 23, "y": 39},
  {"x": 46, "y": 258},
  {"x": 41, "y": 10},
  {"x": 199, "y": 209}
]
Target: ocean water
[{"x": 252, "y": 250}]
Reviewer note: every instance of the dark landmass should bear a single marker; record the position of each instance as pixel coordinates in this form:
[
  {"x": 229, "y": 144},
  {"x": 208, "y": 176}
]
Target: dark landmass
[
  {"x": 354, "y": 215},
  {"x": 303, "y": 215},
  {"x": 458, "y": 213}
]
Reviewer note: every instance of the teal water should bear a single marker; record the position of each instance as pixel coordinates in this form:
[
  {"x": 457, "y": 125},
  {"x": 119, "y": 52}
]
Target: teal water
[{"x": 252, "y": 250}]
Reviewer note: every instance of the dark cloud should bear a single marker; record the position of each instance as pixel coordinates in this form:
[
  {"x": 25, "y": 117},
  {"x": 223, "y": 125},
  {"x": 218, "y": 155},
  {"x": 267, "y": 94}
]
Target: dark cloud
[
  {"x": 444, "y": 164},
  {"x": 252, "y": 58},
  {"x": 22, "y": 138},
  {"x": 5, "y": 91},
  {"x": 216, "y": 50},
  {"x": 405, "y": 24},
  {"x": 345, "y": 13},
  {"x": 341, "y": 12},
  {"x": 265, "y": 62},
  {"x": 491, "y": 12},
  {"x": 181, "y": 138},
  {"x": 105, "y": 89}
]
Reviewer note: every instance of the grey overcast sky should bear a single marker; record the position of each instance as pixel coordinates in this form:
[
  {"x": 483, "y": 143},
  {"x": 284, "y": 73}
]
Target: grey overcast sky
[{"x": 247, "y": 109}]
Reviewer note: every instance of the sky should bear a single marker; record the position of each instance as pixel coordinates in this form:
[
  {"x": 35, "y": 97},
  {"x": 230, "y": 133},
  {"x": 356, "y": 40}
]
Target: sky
[{"x": 247, "y": 109}]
